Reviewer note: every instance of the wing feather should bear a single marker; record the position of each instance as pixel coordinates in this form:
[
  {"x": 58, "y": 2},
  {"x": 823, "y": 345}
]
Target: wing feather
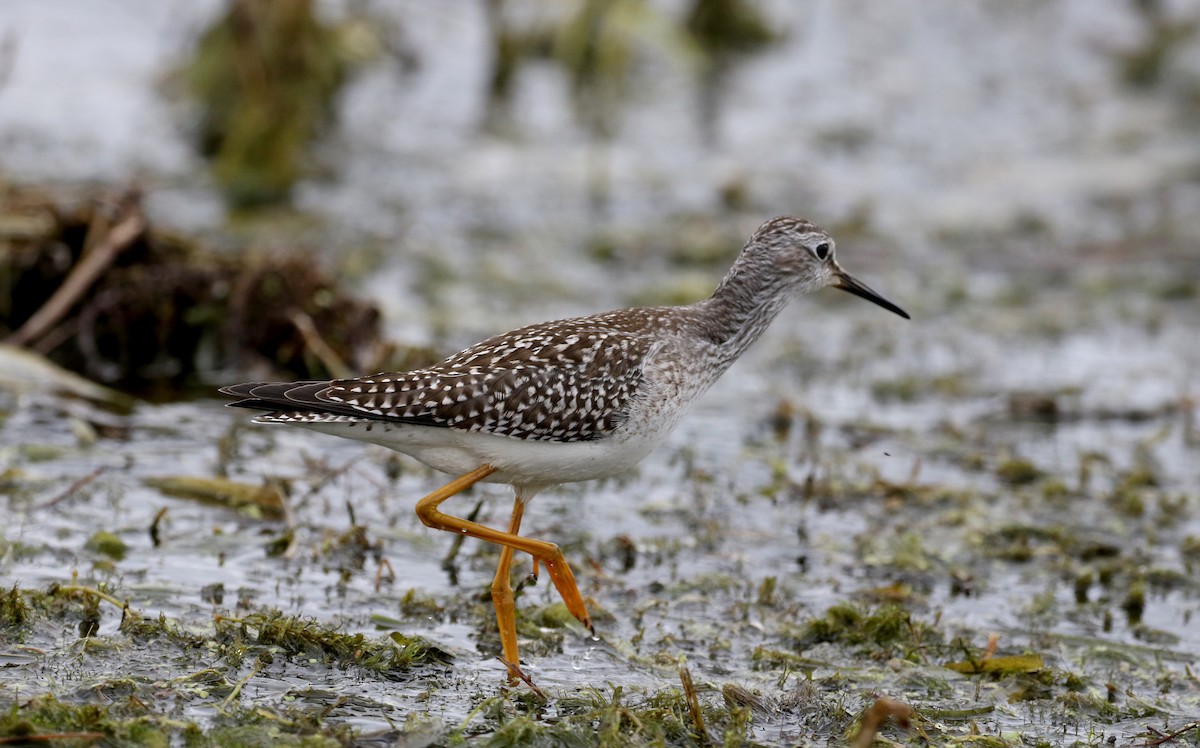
[{"x": 564, "y": 381}]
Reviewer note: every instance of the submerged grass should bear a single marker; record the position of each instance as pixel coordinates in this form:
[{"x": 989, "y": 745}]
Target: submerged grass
[
  {"x": 46, "y": 720},
  {"x": 274, "y": 633},
  {"x": 616, "y": 717},
  {"x": 217, "y": 663}
]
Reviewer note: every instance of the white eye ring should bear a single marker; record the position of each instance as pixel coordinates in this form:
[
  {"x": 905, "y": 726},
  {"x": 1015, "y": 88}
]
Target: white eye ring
[{"x": 821, "y": 251}]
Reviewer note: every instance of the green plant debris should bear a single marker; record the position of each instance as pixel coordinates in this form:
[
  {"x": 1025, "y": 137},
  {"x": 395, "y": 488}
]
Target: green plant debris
[
  {"x": 766, "y": 592},
  {"x": 772, "y": 659},
  {"x": 45, "y": 716},
  {"x": 553, "y": 616},
  {"x": 888, "y": 628},
  {"x": 728, "y": 27},
  {"x": 108, "y": 544},
  {"x": 1023, "y": 542},
  {"x": 266, "y": 75},
  {"x": 597, "y": 48},
  {"x": 1134, "y": 603},
  {"x": 1017, "y": 471},
  {"x": 627, "y": 717},
  {"x": 14, "y": 612},
  {"x": 122, "y": 710},
  {"x": 265, "y": 500},
  {"x": 416, "y": 603},
  {"x": 1164, "y": 37},
  {"x": 1000, "y": 666},
  {"x": 45, "y": 720},
  {"x": 917, "y": 386},
  {"x": 306, "y": 638},
  {"x": 412, "y": 650},
  {"x": 1189, "y": 549}
]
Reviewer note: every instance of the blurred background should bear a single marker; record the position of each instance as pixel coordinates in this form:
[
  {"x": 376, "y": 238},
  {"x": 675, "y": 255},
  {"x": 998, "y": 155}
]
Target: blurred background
[
  {"x": 198, "y": 192},
  {"x": 470, "y": 165},
  {"x": 1071, "y": 120}
]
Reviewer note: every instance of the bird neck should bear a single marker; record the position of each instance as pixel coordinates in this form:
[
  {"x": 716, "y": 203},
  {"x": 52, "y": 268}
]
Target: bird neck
[{"x": 748, "y": 299}]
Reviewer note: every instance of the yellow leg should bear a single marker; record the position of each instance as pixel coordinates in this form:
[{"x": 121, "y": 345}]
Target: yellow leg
[
  {"x": 502, "y": 592},
  {"x": 547, "y": 554}
]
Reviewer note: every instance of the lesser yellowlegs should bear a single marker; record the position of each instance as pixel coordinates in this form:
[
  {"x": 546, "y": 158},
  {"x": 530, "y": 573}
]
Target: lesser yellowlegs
[{"x": 562, "y": 401}]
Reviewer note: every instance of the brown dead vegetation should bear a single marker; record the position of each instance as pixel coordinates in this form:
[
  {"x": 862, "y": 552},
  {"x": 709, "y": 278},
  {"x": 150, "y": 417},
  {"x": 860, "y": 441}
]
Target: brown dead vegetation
[{"x": 99, "y": 290}]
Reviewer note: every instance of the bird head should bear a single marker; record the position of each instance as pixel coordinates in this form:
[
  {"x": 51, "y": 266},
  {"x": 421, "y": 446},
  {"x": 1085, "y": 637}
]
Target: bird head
[{"x": 805, "y": 255}]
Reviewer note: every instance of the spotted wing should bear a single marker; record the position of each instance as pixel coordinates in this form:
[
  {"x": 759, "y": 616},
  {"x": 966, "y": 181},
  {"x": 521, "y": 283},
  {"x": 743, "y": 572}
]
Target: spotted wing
[{"x": 568, "y": 381}]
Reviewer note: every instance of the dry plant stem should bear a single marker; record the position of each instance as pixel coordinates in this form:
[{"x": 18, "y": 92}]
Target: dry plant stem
[
  {"x": 328, "y": 475},
  {"x": 155, "y": 533},
  {"x": 877, "y": 715},
  {"x": 123, "y": 605},
  {"x": 456, "y": 544},
  {"x": 993, "y": 642},
  {"x": 82, "y": 276},
  {"x": 289, "y": 523},
  {"x": 1172, "y": 736},
  {"x": 57, "y": 335},
  {"x": 237, "y": 688},
  {"x": 312, "y": 338},
  {"x": 515, "y": 672},
  {"x": 384, "y": 570},
  {"x": 693, "y": 702},
  {"x": 75, "y": 486},
  {"x": 1191, "y": 434}
]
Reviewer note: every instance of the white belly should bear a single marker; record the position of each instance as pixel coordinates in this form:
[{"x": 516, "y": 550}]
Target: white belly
[
  {"x": 524, "y": 462},
  {"x": 517, "y": 461}
]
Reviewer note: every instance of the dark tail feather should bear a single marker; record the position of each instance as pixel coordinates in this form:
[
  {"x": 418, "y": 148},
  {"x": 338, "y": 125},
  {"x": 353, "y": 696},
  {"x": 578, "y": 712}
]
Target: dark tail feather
[
  {"x": 270, "y": 395},
  {"x": 240, "y": 390},
  {"x": 304, "y": 393},
  {"x": 286, "y": 397}
]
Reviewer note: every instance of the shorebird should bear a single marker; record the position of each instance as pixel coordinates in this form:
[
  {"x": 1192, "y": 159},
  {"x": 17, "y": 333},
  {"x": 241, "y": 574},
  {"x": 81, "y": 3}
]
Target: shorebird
[{"x": 562, "y": 401}]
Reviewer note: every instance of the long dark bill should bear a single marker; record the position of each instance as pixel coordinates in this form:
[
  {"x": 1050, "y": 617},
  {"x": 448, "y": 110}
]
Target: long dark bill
[{"x": 849, "y": 283}]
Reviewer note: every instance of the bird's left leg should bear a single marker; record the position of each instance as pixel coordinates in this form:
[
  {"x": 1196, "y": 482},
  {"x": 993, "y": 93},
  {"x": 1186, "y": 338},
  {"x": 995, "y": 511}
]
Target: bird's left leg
[{"x": 502, "y": 591}]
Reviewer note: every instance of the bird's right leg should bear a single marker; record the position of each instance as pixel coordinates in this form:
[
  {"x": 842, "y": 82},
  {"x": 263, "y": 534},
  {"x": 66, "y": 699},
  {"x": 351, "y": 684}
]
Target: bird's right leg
[{"x": 547, "y": 554}]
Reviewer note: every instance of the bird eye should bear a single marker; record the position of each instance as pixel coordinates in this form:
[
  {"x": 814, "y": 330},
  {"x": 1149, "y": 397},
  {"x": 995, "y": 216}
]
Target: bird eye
[{"x": 822, "y": 251}]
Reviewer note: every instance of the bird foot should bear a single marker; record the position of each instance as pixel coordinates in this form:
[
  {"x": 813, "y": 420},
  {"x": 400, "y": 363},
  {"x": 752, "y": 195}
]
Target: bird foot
[{"x": 515, "y": 673}]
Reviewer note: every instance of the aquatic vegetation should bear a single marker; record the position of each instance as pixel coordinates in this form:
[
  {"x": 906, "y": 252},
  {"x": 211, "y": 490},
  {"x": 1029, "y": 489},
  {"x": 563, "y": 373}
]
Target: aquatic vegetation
[{"x": 266, "y": 76}]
